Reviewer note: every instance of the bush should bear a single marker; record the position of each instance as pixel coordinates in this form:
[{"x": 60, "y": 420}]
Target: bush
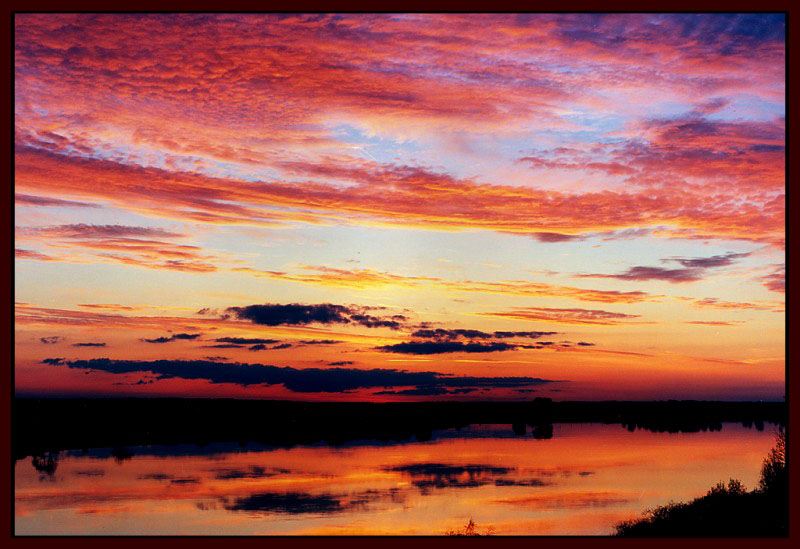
[
  {"x": 471, "y": 529},
  {"x": 726, "y": 510}
]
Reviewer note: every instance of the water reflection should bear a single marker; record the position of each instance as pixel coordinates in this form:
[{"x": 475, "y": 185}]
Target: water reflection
[{"x": 549, "y": 479}]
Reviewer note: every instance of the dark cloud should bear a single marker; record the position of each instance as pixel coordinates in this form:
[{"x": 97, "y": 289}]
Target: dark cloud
[
  {"x": 173, "y": 337},
  {"x": 556, "y": 237},
  {"x": 258, "y": 347},
  {"x": 532, "y": 335},
  {"x": 440, "y": 333},
  {"x": 694, "y": 269},
  {"x": 90, "y": 473},
  {"x": 341, "y": 363},
  {"x": 51, "y": 339},
  {"x": 82, "y": 230},
  {"x": 274, "y": 315},
  {"x": 376, "y": 322},
  {"x": 246, "y": 341},
  {"x": 429, "y": 391},
  {"x": 186, "y": 480},
  {"x": 309, "y": 380},
  {"x": 438, "y": 347},
  {"x": 30, "y": 200},
  {"x": 653, "y": 273},
  {"x": 299, "y": 503},
  {"x": 254, "y": 471},
  {"x": 140, "y": 382},
  {"x": 708, "y": 262},
  {"x": 525, "y": 482},
  {"x": 775, "y": 281},
  {"x": 224, "y": 346},
  {"x": 585, "y": 344},
  {"x": 88, "y": 344},
  {"x": 155, "y": 476},
  {"x": 320, "y": 342},
  {"x": 271, "y": 314},
  {"x": 282, "y": 346}
]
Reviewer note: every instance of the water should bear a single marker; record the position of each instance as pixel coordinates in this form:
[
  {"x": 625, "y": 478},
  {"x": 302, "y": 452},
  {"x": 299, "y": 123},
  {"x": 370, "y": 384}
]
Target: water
[{"x": 581, "y": 481}]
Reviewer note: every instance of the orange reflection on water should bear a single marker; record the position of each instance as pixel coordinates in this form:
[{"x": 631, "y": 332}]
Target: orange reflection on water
[{"x": 583, "y": 480}]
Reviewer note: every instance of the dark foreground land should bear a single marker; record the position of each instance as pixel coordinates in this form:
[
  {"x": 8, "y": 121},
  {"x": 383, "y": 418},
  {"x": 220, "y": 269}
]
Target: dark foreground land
[
  {"x": 41, "y": 425},
  {"x": 726, "y": 510}
]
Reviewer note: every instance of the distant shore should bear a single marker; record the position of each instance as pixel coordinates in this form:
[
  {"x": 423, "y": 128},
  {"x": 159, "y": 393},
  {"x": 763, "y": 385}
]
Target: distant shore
[{"x": 41, "y": 425}]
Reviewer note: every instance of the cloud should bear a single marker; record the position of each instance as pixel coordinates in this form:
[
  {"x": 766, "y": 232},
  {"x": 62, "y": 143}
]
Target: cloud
[
  {"x": 428, "y": 391},
  {"x": 134, "y": 243},
  {"x": 401, "y": 196},
  {"x": 565, "y": 316},
  {"x": 415, "y": 74},
  {"x": 110, "y": 307},
  {"x": 556, "y": 237},
  {"x": 308, "y": 380},
  {"x": 173, "y": 337},
  {"x": 639, "y": 273},
  {"x": 300, "y": 503},
  {"x": 352, "y": 278},
  {"x": 526, "y": 482},
  {"x": 341, "y": 363},
  {"x": 775, "y": 281},
  {"x": 361, "y": 278},
  {"x": 254, "y": 471},
  {"x": 20, "y": 253},
  {"x": 325, "y": 313},
  {"x": 569, "y": 500},
  {"x": 86, "y": 231},
  {"x": 714, "y": 303},
  {"x": 30, "y": 200},
  {"x": 711, "y": 322},
  {"x": 50, "y": 339},
  {"x": 438, "y": 347},
  {"x": 441, "y": 333},
  {"x": 708, "y": 262},
  {"x": 88, "y": 344},
  {"x": 694, "y": 269},
  {"x": 246, "y": 340}
]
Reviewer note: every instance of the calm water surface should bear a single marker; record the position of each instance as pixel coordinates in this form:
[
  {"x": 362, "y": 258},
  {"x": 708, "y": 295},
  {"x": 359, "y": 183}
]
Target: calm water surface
[{"x": 582, "y": 480}]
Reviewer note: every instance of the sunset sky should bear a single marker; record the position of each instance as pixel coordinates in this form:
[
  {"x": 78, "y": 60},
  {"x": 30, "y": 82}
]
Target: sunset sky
[{"x": 400, "y": 207}]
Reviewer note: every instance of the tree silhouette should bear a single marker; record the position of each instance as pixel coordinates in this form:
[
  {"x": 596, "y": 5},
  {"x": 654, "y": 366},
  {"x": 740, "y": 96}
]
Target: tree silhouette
[{"x": 774, "y": 474}]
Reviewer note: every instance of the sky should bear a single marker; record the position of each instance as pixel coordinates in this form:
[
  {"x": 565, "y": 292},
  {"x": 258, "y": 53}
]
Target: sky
[{"x": 400, "y": 207}]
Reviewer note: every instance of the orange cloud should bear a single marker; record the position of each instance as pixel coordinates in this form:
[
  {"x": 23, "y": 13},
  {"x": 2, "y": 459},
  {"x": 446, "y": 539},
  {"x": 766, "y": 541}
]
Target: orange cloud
[
  {"x": 361, "y": 278},
  {"x": 569, "y": 500},
  {"x": 714, "y": 303},
  {"x": 711, "y": 322},
  {"x": 389, "y": 195},
  {"x": 154, "y": 254},
  {"x": 565, "y": 316}
]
